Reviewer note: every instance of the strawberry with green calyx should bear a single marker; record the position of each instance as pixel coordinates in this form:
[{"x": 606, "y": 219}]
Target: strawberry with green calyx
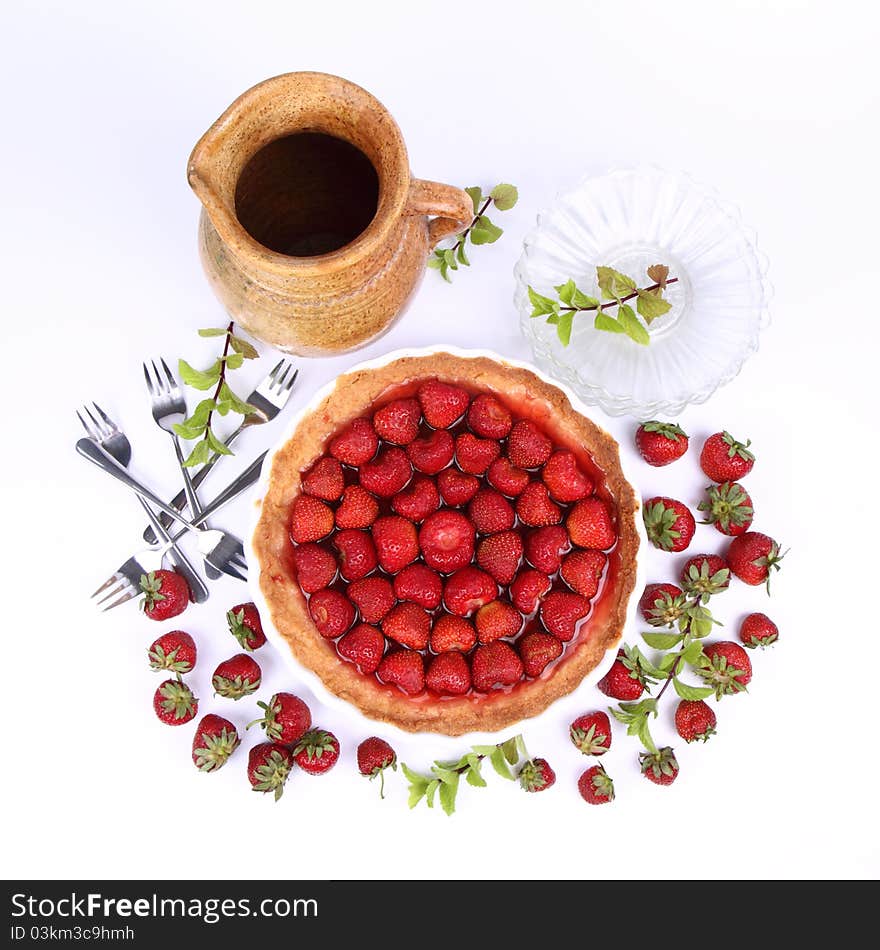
[
  {"x": 374, "y": 756},
  {"x": 662, "y": 605},
  {"x": 174, "y": 703},
  {"x": 269, "y": 766},
  {"x": 695, "y": 720},
  {"x": 729, "y": 507},
  {"x": 316, "y": 752},
  {"x": 215, "y": 740},
  {"x": 286, "y": 719},
  {"x": 166, "y": 594},
  {"x": 669, "y": 523},
  {"x": 629, "y": 675},
  {"x": 245, "y": 625},
  {"x": 174, "y": 651},
  {"x": 659, "y": 766},
  {"x": 704, "y": 575},
  {"x": 238, "y": 676},
  {"x": 661, "y": 443},
  {"x": 536, "y": 775},
  {"x": 595, "y": 786},
  {"x": 758, "y": 630},
  {"x": 724, "y": 459},
  {"x": 591, "y": 733},
  {"x": 752, "y": 556},
  {"x": 726, "y": 667}
]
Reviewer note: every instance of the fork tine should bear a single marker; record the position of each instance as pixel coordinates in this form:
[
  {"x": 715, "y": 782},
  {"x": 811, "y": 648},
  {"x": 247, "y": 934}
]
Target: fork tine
[
  {"x": 85, "y": 425},
  {"x": 279, "y": 382},
  {"x": 232, "y": 572},
  {"x": 100, "y": 431},
  {"x": 160, "y": 383},
  {"x": 291, "y": 381},
  {"x": 148, "y": 379},
  {"x": 108, "y": 422},
  {"x": 271, "y": 376},
  {"x": 110, "y": 580},
  {"x": 122, "y": 585},
  {"x": 172, "y": 382},
  {"x": 125, "y": 597}
]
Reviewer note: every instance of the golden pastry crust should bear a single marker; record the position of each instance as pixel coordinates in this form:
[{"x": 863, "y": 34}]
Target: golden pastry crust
[{"x": 353, "y": 396}]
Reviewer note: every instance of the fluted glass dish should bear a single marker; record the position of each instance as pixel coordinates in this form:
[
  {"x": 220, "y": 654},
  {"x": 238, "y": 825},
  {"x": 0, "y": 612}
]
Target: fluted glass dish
[{"x": 630, "y": 219}]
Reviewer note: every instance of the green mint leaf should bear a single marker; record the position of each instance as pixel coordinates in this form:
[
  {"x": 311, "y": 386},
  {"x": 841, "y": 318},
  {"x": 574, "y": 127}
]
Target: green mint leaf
[
  {"x": 413, "y": 777},
  {"x": 476, "y": 195},
  {"x": 693, "y": 653},
  {"x": 199, "y": 454},
  {"x": 216, "y": 445},
  {"x": 605, "y": 322},
  {"x": 583, "y": 302},
  {"x": 499, "y": 763},
  {"x": 553, "y": 319},
  {"x": 644, "y": 734},
  {"x": 201, "y": 413},
  {"x": 662, "y": 641},
  {"x": 484, "y": 750},
  {"x": 566, "y": 291},
  {"x": 632, "y": 326},
  {"x": 485, "y": 232},
  {"x": 504, "y": 196},
  {"x": 474, "y": 778},
  {"x": 511, "y": 753},
  {"x": 621, "y": 285},
  {"x": 187, "y": 431},
  {"x": 430, "y": 791},
  {"x": 444, "y": 271},
  {"x": 435, "y": 262},
  {"x": 213, "y": 331},
  {"x": 449, "y": 257},
  {"x": 416, "y": 794},
  {"x": 235, "y": 404},
  {"x": 448, "y": 791},
  {"x": 651, "y": 306},
  {"x": 460, "y": 255},
  {"x": 691, "y": 692},
  {"x": 541, "y": 303},
  {"x": 196, "y": 378},
  {"x": 243, "y": 347},
  {"x": 234, "y": 360},
  {"x": 446, "y": 775},
  {"x": 563, "y": 327}
]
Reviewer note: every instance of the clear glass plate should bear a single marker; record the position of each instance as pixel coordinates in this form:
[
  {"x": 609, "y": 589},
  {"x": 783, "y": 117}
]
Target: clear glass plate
[{"x": 630, "y": 219}]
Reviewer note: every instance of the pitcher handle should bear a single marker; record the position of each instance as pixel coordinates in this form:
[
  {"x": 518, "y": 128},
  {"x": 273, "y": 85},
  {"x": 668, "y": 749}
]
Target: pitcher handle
[{"x": 451, "y": 208}]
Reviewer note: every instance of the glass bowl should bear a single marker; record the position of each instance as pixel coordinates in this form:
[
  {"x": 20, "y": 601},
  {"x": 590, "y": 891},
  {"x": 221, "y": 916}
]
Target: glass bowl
[{"x": 629, "y": 219}]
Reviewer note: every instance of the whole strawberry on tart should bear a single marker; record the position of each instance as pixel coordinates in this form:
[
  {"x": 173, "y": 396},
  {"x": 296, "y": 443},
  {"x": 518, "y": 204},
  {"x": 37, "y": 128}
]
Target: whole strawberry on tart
[{"x": 460, "y": 512}]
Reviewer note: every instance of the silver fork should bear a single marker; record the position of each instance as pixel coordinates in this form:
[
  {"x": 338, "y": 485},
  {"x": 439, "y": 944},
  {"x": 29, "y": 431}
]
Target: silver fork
[
  {"x": 168, "y": 406},
  {"x": 115, "y": 443}
]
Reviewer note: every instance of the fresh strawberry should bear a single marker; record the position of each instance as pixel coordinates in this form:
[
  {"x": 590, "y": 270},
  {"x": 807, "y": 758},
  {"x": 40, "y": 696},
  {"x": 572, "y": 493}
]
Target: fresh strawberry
[
  {"x": 561, "y": 612},
  {"x": 357, "y": 553},
  {"x": 506, "y": 477},
  {"x": 446, "y": 539},
  {"x": 398, "y": 421},
  {"x": 324, "y": 479},
  {"x": 286, "y": 718},
  {"x": 442, "y": 403},
  {"x": 729, "y": 507},
  {"x": 527, "y": 589},
  {"x": 705, "y": 574},
  {"x": 310, "y": 519},
  {"x": 456, "y": 488},
  {"x": 669, "y": 523},
  {"x": 752, "y": 556},
  {"x": 451, "y": 633},
  {"x": 408, "y": 624},
  {"x": 166, "y": 594},
  {"x": 490, "y": 511},
  {"x": 358, "y": 508},
  {"x": 174, "y": 651},
  {"x": 331, "y": 612},
  {"x": 356, "y": 444},
  {"x": 660, "y": 443},
  {"x": 596, "y": 786},
  {"x": 363, "y": 646},
  {"x": 238, "y": 676},
  {"x": 497, "y": 619},
  {"x": 536, "y": 775},
  {"x": 174, "y": 702},
  {"x": 538, "y": 649},
  {"x": 564, "y": 478},
  {"x": 500, "y": 555},
  {"x": 495, "y": 664},
  {"x": 449, "y": 674},
  {"x": 432, "y": 453},
  {"x": 625, "y": 680},
  {"x": 591, "y": 733},
  {"x": 374, "y": 756},
  {"x": 418, "y": 499},
  {"x": 269, "y": 767},
  {"x": 387, "y": 473},
  {"x": 659, "y": 767},
  {"x": 534, "y": 507},
  {"x": 419, "y": 584},
  {"x": 404, "y": 669},
  {"x": 758, "y": 630},
  {"x": 245, "y": 625},
  {"x": 215, "y": 740},
  {"x": 488, "y": 417},
  {"x": 373, "y": 597},
  {"x": 695, "y": 719},
  {"x": 475, "y": 455},
  {"x": 397, "y": 542},
  {"x": 724, "y": 459},
  {"x": 726, "y": 667},
  {"x": 582, "y": 571},
  {"x": 527, "y": 445},
  {"x": 467, "y": 590},
  {"x": 545, "y": 547},
  {"x": 315, "y": 566},
  {"x": 316, "y": 752},
  {"x": 662, "y": 605},
  {"x": 590, "y": 524}
]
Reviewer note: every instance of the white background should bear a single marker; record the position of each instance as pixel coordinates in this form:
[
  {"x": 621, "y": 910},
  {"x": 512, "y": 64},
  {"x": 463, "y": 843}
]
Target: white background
[{"x": 774, "y": 103}]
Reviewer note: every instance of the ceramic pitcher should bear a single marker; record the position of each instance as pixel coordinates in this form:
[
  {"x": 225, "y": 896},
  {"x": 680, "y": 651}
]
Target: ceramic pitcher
[{"x": 313, "y": 232}]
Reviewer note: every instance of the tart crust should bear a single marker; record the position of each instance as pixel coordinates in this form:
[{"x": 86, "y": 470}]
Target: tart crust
[{"x": 353, "y": 396}]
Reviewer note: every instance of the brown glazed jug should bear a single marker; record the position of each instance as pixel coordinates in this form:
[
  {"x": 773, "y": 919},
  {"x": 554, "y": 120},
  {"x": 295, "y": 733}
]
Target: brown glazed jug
[{"x": 313, "y": 231}]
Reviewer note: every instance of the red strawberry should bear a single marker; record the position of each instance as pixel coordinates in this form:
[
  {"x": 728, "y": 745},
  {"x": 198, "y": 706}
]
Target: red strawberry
[
  {"x": 408, "y": 624},
  {"x": 374, "y": 755},
  {"x": 166, "y": 594},
  {"x": 358, "y": 508},
  {"x": 544, "y": 548},
  {"x": 527, "y": 446},
  {"x": 475, "y": 455},
  {"x": 591, "y": 733},
  {"x": 695, "y": 719},
  {"x": 660, "y": 443},
  {"x": 245, "y": 625},
  {"x": 451, "y": 633},
  {"x": 174, "y": 703},
  {"x": 397, "y": 543},
  {"x": 238, "y": 676},
  {"x": 506, "y": 477},
  {"x": 705, "y": 574},
  {"x": 582, "y": 571},
  {"x": 315, "y": 566},
  {"x": 442, "y": 403},
  {"x": 728, "y": 507},
  {"x": 624, "y": 680},
  {"x": 724, "y": 459},
  {"x": 286, "y": 718},
  {"x": 398, "y": 421},
  {"x": 357, "y": 553},
  {"x": 456, "y": 488},
  {"x": 215, "y": 740},
  {"x": 662, "y": 604},
  {"x": 669, "y": 523},
  {"x": 488, "y": 417},
  {"x": 659, "y": 767},
  {"x": 758, "y": 630},
  {"x": 404, "y": 669},
  {"x": 310, "y": 519},
  {"x": 497, "y": 619},
  {"x": 467, "y": 590},
  {"x": 446, "y": 539},
  {"x": 536, "y": 650},
  {"x": 387, "y": 473},
  {"x": 726, "y": 667},
  {"x": 535, "y": 508},
  {"x": 174, "y": 651},
  {"x": 561, "y": 611},
  {"x": 752, "y": 556},
  {"x": 495, "y": 664},
  {"x": 269, "y": 766},
  {"x": 356, "y": 444},
  {"x": 449, "y": 674},
  {"x": 565, "y": 480},
  {"x": 324, "y": 479},
  {"x": 418, "y": 499},
  {"x": 432, "y": 453},
  {"x": 316, "y": 752},
  {"x": 590, "y": 524},
  {"x": 419, "y": 584},
  {"x": 536, "y": 775},
  {"x": 596, "y": 786},
  {"x": 527, "y": 589},
  {"x": 363, "y": 646},
  {"x": 373, "y": 597},
  {"x": 331, "y": 612},
  {"x": 490, "y": 511},
  {"x": 500, "y": 555}
]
